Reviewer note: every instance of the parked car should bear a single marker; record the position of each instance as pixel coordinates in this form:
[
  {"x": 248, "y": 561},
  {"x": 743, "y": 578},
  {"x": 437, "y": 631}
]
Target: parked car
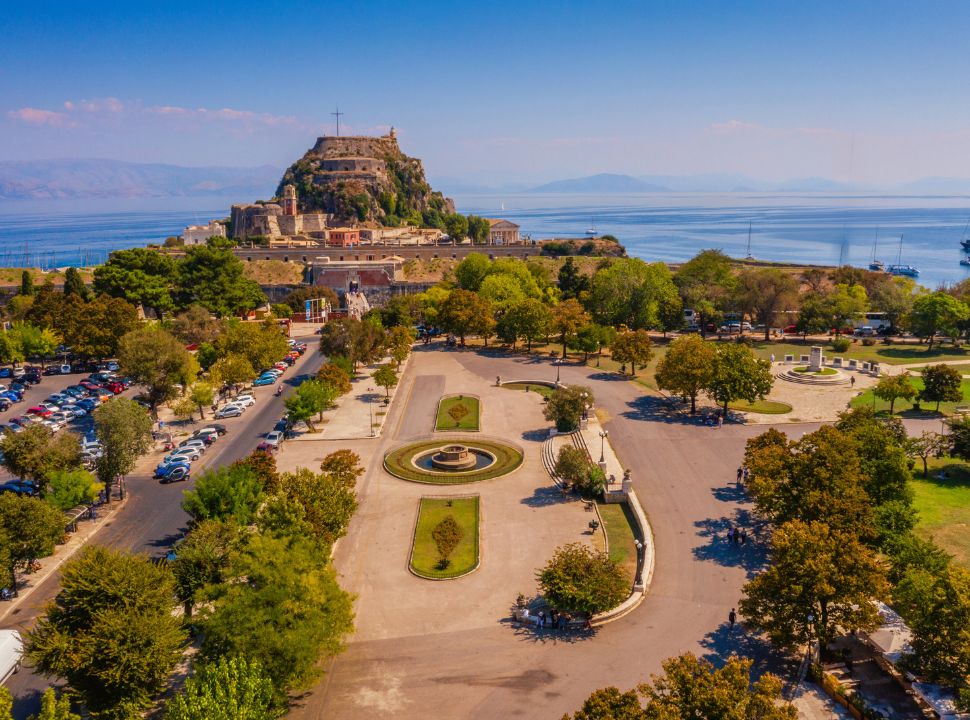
[
  {"x": 173, "y": 472},
  {"x": 116, "y": 387},
  {"x": 229, "y": 411},
  {"x": 244, "y": 401},
  {"x": 265, "y": 380},
  {"x": 75, "y": 410},
  {"x": 6, "y": 372},
  {"x": 4, "y": 404},
  {"x": 219, "y": 428},
  {"x": 186, "y": 454},
  {"x": 58, "y": 398},
  {"x": 192, "y": 443},
  {"x": 274, "y": 438},
  {"x": 39, "y": 411},
  {"x": 19, "y": 372},
  {"x": 65, "y": 369},
  {"x": 19, "y": 487}
]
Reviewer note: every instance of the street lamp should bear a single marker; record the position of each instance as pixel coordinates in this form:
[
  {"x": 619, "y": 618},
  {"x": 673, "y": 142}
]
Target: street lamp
[
  {"x": 585, "y": 397},
  {"x": 557, "y": 362},
  {"x": 603, "y": 434}
]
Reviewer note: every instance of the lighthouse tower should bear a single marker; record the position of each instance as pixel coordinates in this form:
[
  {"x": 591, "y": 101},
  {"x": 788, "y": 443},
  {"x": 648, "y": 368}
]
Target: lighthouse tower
[{"x": 289, "y": 200}]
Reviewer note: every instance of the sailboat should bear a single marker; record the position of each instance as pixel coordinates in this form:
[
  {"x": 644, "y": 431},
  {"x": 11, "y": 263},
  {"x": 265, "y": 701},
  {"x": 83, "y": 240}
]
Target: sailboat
[
  {"x": 899, "y": 268},
  {"x": 965, "y": 241},
  {"x": 592, "y": 228},
  {"x": 876, "y": 265}
]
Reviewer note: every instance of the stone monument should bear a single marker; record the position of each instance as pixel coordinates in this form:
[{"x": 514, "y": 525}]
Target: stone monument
[{"x": 816, "y": 359}]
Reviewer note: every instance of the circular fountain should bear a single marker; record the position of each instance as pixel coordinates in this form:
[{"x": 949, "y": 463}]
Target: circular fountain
[{"x": 453, "y": 457}]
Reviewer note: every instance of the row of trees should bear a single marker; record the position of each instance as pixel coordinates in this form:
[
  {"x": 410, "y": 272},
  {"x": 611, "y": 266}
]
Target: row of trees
[
  {"x": 838, "y": 503},
  {"x": 255, "y": 583}
]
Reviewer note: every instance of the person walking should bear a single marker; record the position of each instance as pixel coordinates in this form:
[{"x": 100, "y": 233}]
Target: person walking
[
  {"x": 730, "y": 534},
  {"x": 744, "y": 536},
  {"x": 852, "y": 381},
  {"x": 740, "y": 473},
  {"x": 747, "y": 474},
  {"x": 732, "y": 617}
]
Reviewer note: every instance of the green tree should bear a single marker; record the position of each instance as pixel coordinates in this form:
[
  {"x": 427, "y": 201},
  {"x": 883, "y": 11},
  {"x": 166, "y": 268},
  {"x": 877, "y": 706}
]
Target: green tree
[
  {"x": 928, "y": 444},
  {"x": 96, "y": 328},
  {"x": 261, "y": 343},
  {"x": 114, "y": 611},
  {"x": 936, "y": 606},
  {"x": 528, "y": 319},
  {"x": 398, "y": 343},
  {"x": 572, "y": 282},
  {"x": 401, "y": 310},
  {"x": 231, "y": 689},
  {"x": 154, "y": 359},
  {"x": 52, "y": 707},
  {"x": 319, "y": 394},
  {"x": 763, "y": 293},
  {"x": 385, "y": 377},
  {"x": 69, "y": 488},
  {"x": 336, "y": 377},
  {"x": 567, "y": 318},
  {"x": 818, "y": 477},
  {"x": 297, "y": 297},
  {"x": 686, "y": 367},
  {"x": 139, "y": 275},
  {"x": 287, "y": 614},
  {"x": 37, "y": 452},
  {"x": 937, "y": 313},
  {"x": 843, "y": 305},
  {"x": 358, "y": 341},
  {"x": 457, "y": 227},
  {"x": 216, "y": 279},
  {"x": 471, "y": 271},
  {"x": 630, "y": 292},
  {"x": 202, "y": 558},
  {"x": 224, "y": 493},
  {"x": 34, "y": 342},
  {"x": 10, "y": 350},
  {"x": 892, "y": 387},
  {"x": 202, "y": 394},
  {"x": 479, "y": 229},
  {"x": 941, "y": 383},
  {"x": 813, "y": 315},
  {"x": 196, "y": 325},
  {"x": 465, "y": 313},
  {"x": 29, "y": 529},
  {"x": 502, "y": 291},
  {"x": 572, "y": 465},
  {"x": 706, "y": 285},
  {"x": 74, "y": 285},
  {"x": 820, "y": 581},
  {"x": 446, "y": 535},
  {"x": 580, "y": 579},
  {"x": 233, "y": 370},
  {"x": 894, "y": 297},
  {"x": 566, "y": 406},
  {"x": 124, "y": 429},
  {"x": 737, "y": 374},
  {"x": 632, "y": 348},
  {"x": 26, "y": 283}
]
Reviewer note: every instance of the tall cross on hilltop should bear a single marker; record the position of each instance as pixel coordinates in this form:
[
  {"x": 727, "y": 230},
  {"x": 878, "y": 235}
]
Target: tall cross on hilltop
[{"x": 337, "y": 115}]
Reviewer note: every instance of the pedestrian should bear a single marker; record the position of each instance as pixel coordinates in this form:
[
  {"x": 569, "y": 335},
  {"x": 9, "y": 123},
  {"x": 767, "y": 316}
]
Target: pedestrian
[
  {"x": 772, "y": 358},
  {"x": 747, "y": 474},
  {"x": 732, "y": 617},
  {"x": 852, "y": 381},
  {"x": 737, "y": 536},
  {"x": 720, "y": 420},
  {"x": 740, "y": 473},
  {"x": 744, "y": 536},
  {"x": 542, "y": 618},
  {"x": 730, "y": 534}
]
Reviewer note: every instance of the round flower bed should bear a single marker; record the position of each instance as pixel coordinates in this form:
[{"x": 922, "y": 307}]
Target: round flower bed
[{"x": 402, "y": 462}]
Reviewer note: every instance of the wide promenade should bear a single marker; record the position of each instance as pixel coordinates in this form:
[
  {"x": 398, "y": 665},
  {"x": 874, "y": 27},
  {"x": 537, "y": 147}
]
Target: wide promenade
[{"x": 683, "y": 473}]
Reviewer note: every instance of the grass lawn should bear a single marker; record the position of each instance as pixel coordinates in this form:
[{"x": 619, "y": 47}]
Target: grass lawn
[
  {"x": 424, "y": 551},
  {"x": 944, "y": 506},
  {"x": 541, "y": 389},
  {"x": 963, "y": 368},
  {"x": 821, "y": 371},
  {"x": 444, "y": 421},
  {"x": 619, "y": 523},
  {"x": 891, "y": 354},
  {"x": 398, "y": 462},
  {"x": 767, "y": 407},
  {"x": 905, "y": 407}
]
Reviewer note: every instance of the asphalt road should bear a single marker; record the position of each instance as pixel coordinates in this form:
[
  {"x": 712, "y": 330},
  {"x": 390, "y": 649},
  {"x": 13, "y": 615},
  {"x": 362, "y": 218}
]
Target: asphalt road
[{"x": 153, "y": 519}]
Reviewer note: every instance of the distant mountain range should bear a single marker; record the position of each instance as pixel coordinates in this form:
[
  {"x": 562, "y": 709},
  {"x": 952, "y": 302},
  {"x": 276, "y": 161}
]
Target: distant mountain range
[
  {"x": 54, "y": 179},
  {"x": 612, "y": 183}
]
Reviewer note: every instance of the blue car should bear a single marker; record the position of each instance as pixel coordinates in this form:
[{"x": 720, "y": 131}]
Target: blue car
[
  {"x": 173, "y": 471},
  {"x": 12, "y": 396},
  {"x": 88, "y": 404},
  {"x": 264, "y": 380}
]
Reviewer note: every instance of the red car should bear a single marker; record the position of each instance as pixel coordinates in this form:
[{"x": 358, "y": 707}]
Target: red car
[
  {"x": 39, "y": 411},
  {"x": 116, "y": 387}
]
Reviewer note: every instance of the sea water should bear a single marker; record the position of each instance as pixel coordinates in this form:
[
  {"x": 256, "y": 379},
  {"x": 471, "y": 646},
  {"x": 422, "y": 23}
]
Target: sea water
[{"x": 821, "y": 229}]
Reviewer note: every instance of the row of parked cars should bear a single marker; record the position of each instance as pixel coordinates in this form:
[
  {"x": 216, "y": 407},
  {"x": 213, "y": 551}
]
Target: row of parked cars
[
  {"x": 75, "y": 401},
  {"x": 177, "y": 465}
]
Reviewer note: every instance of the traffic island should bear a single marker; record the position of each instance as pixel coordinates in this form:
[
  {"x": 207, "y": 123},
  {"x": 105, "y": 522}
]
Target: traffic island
[
  {"x": 461, "y": 460},
  {"x": 445, "y": 541}
]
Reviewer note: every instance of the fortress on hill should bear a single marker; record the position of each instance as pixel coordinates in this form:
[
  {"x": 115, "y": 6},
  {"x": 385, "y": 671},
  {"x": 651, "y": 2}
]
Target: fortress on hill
[{"x": 342, "y": 184}]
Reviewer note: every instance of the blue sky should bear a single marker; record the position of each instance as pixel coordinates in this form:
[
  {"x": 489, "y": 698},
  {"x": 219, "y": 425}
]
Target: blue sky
[{"x": 496, "y": 92}]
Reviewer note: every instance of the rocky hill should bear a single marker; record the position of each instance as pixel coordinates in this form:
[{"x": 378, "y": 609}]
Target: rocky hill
[{"x": 364, "y": 180}]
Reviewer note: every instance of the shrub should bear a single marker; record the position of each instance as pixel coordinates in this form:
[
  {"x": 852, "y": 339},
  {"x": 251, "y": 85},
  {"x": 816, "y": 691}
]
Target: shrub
[
  {"x": 869, "y": 341},
  {"x": 566, "y": 406},
  {"x": 572, "y": 465},
  {"x": 841, "y": 344},
  {"x": 580, "y": 579}
]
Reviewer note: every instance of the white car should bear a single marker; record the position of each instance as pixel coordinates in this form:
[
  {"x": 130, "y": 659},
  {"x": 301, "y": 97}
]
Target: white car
[
  {"x": 274, "y": 438},
  {"x": 61, "y": 417},
  {"x": 198, "y": 444},
  {"x": 229, "y": 411},
  {"x": 244, "y": 401},
  {"x": 54, "y": 425},
  {"x": 188, "y": 454},
  {"x": 76, "y": 411}
]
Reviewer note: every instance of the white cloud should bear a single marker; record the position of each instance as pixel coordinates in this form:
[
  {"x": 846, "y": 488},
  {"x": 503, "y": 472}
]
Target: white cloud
[{"x": 36, "y": 116}]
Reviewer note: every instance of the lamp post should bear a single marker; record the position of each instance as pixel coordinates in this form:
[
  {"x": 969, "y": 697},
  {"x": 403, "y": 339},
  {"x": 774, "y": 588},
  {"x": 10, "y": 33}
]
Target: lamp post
[
  {"x": 557, "y": 363},
  {"x": 585, "y": 397},
  {"x": 603, "y": 434}
]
